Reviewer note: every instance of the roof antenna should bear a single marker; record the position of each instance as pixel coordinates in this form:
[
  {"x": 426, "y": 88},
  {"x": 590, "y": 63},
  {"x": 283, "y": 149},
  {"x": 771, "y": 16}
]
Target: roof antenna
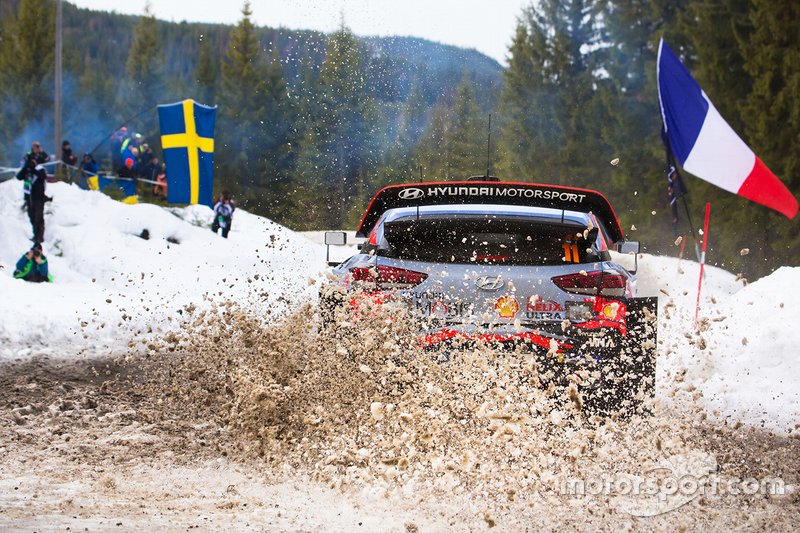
[
  {"x": 420, "y": 173},
  {"x": 489, "y": 148}
]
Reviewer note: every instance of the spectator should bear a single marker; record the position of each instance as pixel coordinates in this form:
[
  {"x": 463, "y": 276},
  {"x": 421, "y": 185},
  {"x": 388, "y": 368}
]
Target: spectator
[
  {"x": 132, "y": 153},
  {"x": 223, "y": 214},
  {"x": 146, "y": 155},
  {"x": 69, "y": 160},
  {"x": 151, "y": 169},
  {"x": 34, "y": 176},
  {"x": 88, "y": 168},
  {"x": 117, "y": 139},
  {"x": 133, "y": 141},
  {"x": 35, "y": 157},
  {"x": 66, "y": 154},
  {"x": 32, "y": 266},
  {"x": 161, "y": 188},
  {"x": 128, "y": 171}
]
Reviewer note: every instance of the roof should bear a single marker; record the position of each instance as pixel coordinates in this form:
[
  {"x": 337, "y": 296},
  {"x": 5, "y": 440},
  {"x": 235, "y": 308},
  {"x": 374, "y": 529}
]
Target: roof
[{"x": 494, "y": 193}]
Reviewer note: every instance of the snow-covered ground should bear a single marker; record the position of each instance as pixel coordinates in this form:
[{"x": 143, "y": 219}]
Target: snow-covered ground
[{"x": 111, "y": 284}]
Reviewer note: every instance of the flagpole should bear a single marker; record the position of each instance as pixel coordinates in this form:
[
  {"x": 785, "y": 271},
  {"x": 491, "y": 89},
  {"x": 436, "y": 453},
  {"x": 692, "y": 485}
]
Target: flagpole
[
  {"x": 702, "y": 264},
  {"x": 671, "y": 163},
  {"x": 691, "y": 226},
  {"x": 57, "y": 104}
]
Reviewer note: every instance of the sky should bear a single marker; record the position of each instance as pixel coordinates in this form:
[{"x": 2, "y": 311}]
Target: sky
[{"x": 486, "y": 25}]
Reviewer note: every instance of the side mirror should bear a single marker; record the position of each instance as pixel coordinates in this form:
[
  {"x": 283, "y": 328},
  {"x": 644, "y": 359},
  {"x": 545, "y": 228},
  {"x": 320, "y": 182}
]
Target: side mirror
[
  {"x": 629, "y": 247},
  {"x": 335, "y": 238}
]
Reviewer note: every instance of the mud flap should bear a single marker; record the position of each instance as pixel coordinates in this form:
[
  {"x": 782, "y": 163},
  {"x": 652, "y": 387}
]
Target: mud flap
[
  {"x": 639, "y": 351},
  {"x": 628, "y": 365}
]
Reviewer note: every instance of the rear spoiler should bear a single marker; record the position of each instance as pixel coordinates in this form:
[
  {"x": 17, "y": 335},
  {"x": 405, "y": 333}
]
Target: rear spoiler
[{"x": 492, "y": 192}]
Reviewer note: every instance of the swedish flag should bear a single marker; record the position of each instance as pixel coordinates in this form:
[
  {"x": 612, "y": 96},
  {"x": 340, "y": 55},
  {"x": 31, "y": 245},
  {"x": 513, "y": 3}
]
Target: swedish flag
[
  {"x": 187, "y": 138},
  {"x": 126, "y": 187}
]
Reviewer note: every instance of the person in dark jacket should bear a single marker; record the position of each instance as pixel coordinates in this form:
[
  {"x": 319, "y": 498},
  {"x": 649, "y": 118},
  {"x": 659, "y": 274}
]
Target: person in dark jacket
[
  {"x": 69, "y": 159},
  {"x": 32, "y": 266},
  {"x": 35, "y": 157},
  {"x": 223, "y": 214},
  {"x": 35, "y": 177},
  {"x": 129, "y": 170},
  {"x": 67, "y": 156},
  {"x": 151, "y": 169}
]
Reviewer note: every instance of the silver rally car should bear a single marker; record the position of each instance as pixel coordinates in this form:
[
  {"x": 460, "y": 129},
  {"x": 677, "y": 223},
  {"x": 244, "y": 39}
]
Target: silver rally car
[{"x": 508, "y": 263}]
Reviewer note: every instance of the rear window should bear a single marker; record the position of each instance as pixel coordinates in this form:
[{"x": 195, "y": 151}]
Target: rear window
[{"x": 489, "y": 241}]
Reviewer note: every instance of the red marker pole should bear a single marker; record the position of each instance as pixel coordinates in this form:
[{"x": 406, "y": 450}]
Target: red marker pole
[{"x": 702, "y": 262}]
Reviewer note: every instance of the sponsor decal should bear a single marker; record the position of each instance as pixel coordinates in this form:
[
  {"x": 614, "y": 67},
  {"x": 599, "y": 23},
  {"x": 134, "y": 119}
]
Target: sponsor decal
[
  {"x": 536, "y": 304},
  {"x": 538, "y": 309},
  {"x": 435, "y": 305},
  {"x": 506, "y": 306},
  {"x": 413, "y": 193},
  {"x": 489, "y": 283},
  {"x": 439, "y": 309}
]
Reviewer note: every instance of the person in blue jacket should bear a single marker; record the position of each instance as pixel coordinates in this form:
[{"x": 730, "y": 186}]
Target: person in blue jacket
[
  {"x": 32, "y": 266},
  {"x": 88, "y": 168}
]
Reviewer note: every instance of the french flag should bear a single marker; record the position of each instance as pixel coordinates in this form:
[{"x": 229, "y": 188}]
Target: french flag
[{"x": 705, "y": 145}]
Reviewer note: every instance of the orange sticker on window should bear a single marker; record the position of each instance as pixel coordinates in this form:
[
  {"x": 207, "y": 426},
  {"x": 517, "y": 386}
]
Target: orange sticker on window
[{"x": 571, "y": 254}]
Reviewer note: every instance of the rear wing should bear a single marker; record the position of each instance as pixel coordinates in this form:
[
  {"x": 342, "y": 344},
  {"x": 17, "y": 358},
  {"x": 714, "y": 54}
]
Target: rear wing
[{"x": 492, "y": 192}]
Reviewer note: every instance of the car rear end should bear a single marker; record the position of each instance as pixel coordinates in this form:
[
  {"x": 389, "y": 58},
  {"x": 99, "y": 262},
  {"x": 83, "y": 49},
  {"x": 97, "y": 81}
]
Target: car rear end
[
  {"x": 495, "y": 273},
  {"x": 532, "y": 269}
]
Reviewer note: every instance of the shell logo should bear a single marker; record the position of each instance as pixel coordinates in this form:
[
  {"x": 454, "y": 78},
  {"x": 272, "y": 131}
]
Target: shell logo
[{"x": 507, "y": 306}]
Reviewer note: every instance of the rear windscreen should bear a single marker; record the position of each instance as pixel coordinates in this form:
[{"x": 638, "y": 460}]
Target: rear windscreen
[{"x": 488, "y": 241}]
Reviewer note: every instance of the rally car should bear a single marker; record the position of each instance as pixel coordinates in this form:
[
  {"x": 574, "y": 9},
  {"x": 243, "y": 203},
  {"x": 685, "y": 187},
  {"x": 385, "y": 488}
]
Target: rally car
[{"x": 505, "y": 263}]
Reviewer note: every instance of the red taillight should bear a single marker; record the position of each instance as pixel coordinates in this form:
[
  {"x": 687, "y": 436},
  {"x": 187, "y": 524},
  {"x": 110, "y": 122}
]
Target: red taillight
[
  {"x": 391, "y": 276},
  {"x": 597, "y": 282}
]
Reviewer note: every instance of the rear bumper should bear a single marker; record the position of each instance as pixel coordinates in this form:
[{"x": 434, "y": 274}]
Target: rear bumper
[{"x": 572, "y": 341}]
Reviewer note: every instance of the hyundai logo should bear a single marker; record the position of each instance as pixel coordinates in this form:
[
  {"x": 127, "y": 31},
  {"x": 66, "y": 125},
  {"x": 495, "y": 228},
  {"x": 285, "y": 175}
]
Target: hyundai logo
[
  {"x": 411, "y": 193},
  {"x": 489, "y": 283}
]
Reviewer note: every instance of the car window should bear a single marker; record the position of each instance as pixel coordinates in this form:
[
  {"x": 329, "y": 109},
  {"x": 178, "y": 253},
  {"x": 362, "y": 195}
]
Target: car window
[{"x": 488, "y": 241}]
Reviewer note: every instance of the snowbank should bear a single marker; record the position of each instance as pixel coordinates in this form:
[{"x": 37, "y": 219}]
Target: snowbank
[
  {"x": 111, "y": 284},
  {"x": 741, "y": 362},
  {"x": 107, "y": 275}
]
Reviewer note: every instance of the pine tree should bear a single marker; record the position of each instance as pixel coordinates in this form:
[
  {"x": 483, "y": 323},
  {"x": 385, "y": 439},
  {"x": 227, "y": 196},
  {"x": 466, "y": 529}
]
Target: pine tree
[
  {"x": 771, "y": 56},
  {"x": 432, "y": 154},
  {"x": 340, "y": 144},
  {"x": 631, "y": 123},
  {"x": 414, "y": 115},
  {"x": 466, "y": 136},
  {"x": 548, "y": 91},
  {"x": 26, "y": 66},
  {"x": 205, "y": 74},
  {"x": 255, "y": 120},
  {"x": 145, "y": 65}
]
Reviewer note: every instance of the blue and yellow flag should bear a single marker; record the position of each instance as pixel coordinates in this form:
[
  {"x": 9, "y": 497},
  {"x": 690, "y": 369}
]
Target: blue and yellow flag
[
  {"x": 187, "y": 138},
  {"x": 126, "y": 187}
]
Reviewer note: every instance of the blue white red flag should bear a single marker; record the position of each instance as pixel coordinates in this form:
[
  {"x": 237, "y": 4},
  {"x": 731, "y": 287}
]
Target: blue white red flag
[{"x": 705, "y": 145}]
